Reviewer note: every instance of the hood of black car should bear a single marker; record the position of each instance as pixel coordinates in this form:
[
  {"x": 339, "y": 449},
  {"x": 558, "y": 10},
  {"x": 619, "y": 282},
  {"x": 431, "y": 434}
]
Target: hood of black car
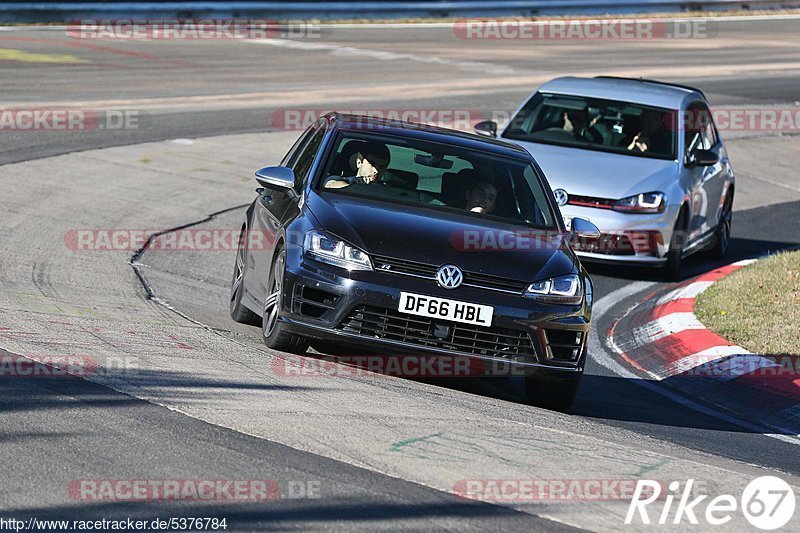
[{"x": 424, "y": 235}]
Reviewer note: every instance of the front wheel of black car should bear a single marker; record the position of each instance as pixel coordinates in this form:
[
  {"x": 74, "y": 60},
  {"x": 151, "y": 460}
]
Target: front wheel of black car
[
  {"x": 556, "y": 394},
  {"x": 275, "y": 336},
  {"x": 239, "y": 312}
]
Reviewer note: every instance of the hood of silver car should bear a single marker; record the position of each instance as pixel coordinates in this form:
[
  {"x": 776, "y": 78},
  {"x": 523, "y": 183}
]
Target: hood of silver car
[{"x": 599, "y": 174}]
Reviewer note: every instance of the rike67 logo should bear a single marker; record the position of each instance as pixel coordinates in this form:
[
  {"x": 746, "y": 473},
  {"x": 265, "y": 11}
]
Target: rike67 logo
[{"x": 767, "y": 503}]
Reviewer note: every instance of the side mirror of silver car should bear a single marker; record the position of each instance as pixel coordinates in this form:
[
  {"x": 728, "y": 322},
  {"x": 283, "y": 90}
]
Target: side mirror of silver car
[
  {"x": 487, "y": 128},
  {"x": 583, "y": 229},
  {"x": 275, "y": 177}
]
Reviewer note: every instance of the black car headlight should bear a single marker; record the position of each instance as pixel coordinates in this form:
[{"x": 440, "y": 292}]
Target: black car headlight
[
  {"x": 329, "y": 249},
  {"x": 648, "y": 203},
  {"x": 562, "y": 289}
]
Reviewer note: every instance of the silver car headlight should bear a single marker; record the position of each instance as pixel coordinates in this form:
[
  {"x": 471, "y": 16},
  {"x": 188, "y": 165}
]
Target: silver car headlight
[
  {"x": 648, "y": 203},
  {"x": 562, "y": 289},
  {"x": 329, "y": 249}
]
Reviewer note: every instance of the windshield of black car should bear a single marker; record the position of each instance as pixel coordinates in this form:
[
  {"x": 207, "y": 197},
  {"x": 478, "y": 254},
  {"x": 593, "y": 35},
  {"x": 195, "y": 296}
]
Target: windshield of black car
[
  {"x": 593, "y": 124},
  {"x": 440, "y": 177}
]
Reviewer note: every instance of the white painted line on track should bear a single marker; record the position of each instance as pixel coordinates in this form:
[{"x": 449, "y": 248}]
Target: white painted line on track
[
  {"x": 473, "y": 66},
  {"x": 665, "y": 326},
  {"x": 689, "y": 291},
  {"x": 599, "y": 353},
  {"x": 704, "y": 357}
]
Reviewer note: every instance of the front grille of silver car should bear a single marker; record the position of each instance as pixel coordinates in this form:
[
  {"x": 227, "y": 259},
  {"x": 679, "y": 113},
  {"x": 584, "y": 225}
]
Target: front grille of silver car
[
  {"x": 590, "y": 201},
  {"x": 609, "y": 244},
  {"x": 389, "y": 324},
  {"x": 427, "y": 271}
]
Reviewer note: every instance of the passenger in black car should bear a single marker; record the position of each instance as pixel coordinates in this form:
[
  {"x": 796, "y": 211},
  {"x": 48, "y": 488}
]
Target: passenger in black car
[{"x": 481, "y": 198}]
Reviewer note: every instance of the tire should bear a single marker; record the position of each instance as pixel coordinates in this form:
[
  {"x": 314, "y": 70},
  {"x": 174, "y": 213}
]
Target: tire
[
  {"x": 556, "y": 394},
  {"x": 272, "y": 330},
  {"x": 723, "y": 233},
  {"x": 239, "y": 312},
  {"x": 672, "y": 270}
]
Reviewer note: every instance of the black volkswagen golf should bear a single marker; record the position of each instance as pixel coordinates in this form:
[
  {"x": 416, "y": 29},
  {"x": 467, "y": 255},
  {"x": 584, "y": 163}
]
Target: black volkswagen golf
[{"x": 397, "y": 239}]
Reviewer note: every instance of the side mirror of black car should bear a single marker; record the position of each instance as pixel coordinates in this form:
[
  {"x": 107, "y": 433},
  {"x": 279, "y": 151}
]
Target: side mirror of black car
[
  {"x": 275, "y": 178},
  {"x": 487, "y": 128},
  {"x": 704, "y": 158}
]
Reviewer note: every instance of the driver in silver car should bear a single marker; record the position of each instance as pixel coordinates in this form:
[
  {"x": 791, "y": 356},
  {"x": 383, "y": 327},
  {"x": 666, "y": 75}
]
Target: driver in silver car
[{"x": 653, "y": 135}]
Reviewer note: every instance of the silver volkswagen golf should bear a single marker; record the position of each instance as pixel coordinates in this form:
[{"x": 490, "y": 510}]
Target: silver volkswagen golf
[{"x": 641, "y": 159}]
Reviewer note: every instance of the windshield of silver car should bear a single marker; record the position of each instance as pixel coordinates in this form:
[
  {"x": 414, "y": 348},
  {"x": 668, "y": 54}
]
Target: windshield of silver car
[{"x": 592, "y": 124}]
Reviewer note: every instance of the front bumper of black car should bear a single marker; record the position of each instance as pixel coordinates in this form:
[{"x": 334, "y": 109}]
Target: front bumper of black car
[{"x": 360, "y": 310}]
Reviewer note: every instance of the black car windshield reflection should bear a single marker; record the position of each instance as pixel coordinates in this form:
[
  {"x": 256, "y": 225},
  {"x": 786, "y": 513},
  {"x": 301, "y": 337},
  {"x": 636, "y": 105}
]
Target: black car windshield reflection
[{"x": 437, "y": 176}]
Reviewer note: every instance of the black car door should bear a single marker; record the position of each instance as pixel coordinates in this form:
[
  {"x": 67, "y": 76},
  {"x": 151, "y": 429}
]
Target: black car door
[{"x": 275, "y": 206}]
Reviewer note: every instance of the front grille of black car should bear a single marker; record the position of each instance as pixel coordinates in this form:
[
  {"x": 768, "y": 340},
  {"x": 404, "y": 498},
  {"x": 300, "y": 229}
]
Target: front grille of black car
[
  {"x": 563, "y": 345},
  {"x": 403, "y": 266},
  {"x": 424, "y": 270},
  {"x": 388, "y": 324},
  {"x": 311, "y": 302}
]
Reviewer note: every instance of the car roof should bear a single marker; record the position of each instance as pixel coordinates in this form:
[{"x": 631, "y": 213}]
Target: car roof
[
  {"x": 635, "y": 90},
  {"x": 424, "y": 132}
]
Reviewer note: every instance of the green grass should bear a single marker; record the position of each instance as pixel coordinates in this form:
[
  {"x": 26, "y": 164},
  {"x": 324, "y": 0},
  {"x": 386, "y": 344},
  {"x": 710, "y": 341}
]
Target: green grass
[{"x": 757, "y": 307}]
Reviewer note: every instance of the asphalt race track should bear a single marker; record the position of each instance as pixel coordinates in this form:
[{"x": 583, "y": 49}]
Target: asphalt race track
[{"x": 197, "y": 396}]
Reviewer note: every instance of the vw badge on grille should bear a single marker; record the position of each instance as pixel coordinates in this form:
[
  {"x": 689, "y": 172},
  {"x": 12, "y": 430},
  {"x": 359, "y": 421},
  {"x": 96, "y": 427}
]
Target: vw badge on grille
[
  {"x": 449, "y": 277},
  {"x": 561, "y": 196}
]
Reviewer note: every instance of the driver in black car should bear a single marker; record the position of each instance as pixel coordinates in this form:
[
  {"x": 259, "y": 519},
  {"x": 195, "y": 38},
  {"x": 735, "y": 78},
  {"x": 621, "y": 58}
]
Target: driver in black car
[{"x": 371, "y": 162}]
